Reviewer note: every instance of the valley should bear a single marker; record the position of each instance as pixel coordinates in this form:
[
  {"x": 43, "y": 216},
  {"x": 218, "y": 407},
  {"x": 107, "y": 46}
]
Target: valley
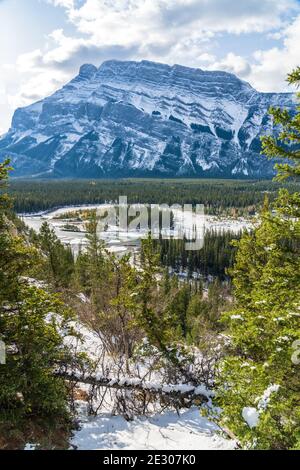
[{"x": 72, "y": 232}]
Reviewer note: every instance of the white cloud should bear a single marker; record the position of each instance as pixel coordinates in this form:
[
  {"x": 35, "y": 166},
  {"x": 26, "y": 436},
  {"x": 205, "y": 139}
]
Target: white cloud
[
  {"x": 171, "y": 31},
  {"x": 113, "y": 18},
  {"x": 36, "y": 87},
  {"x": 271, "y": 66},
  {"x": 178, "y": 31},
  {"x": 69, "y": 4},
  {"x": 267, "y": 69},
  {"x": 232, "y": 63}
]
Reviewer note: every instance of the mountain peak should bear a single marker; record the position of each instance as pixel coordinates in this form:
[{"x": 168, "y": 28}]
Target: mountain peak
[
  {"x": 87, "y": 70},
  {"x": 129, "y": 118}
]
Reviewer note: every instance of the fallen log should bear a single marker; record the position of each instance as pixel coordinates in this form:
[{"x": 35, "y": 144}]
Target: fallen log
[
  {"x": 181, "y": 391},
  {"x": 194, "y": 395}
]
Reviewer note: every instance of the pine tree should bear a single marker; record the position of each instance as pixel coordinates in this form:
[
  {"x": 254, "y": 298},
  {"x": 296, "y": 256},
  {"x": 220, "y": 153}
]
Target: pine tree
[
  {"x": 286, "y": 146},
  {"x": 149, "y": 312},
  {"x": 178, "y": 309},
  {"x": 119, "y": 319},
  {"x": 32, "y": 336},
  {"x": 260, "y": 377},
  {"x": 93, "y": 270},
  {"x": 59, "y": 260}
]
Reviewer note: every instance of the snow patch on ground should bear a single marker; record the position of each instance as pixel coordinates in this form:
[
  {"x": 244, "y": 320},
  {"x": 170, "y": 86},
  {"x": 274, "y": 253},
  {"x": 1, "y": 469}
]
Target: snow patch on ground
[{"x": 168, "y": 431}]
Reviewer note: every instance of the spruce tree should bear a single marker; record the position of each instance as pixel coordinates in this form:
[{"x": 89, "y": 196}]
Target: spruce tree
[
  {"x": 259, "y": 389},
  {"x": 59, "y": 260},
  {"x": 287, "y": 145},
  {"x": 32, "y": 326}
]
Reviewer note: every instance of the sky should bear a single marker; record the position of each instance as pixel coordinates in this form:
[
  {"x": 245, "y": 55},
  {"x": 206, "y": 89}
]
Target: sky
[{"x": 44, "y": 42}]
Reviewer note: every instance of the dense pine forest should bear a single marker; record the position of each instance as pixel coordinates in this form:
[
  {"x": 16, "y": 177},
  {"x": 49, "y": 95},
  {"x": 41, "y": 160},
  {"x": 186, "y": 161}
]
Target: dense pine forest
[
  {"x": 218, "y": 196},
  {"x": 229, "y": 348},
  {"x": 214, "y": 259}
]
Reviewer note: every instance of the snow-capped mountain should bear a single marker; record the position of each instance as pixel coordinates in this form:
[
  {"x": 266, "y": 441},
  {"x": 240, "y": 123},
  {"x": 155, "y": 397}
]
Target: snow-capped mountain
[{"x": 144, "y": 119}]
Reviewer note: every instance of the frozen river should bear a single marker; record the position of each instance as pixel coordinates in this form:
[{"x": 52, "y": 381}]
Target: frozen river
[{"x": 122, "y": 241}]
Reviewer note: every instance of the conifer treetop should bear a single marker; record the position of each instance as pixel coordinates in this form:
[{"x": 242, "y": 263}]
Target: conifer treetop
[{"x": 287, "y": 145}]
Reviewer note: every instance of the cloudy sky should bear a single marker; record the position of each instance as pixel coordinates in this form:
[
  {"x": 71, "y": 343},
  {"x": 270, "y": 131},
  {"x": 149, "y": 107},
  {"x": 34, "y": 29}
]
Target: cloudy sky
[{"x": 44, "y": 42}]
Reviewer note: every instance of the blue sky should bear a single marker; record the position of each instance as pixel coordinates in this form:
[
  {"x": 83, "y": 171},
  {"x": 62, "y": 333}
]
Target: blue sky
[{"x": 44, "y": 42}]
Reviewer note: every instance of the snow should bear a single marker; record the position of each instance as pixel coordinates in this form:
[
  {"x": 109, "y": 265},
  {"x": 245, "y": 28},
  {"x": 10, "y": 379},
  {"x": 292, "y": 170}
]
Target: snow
[
  {"x": 29, "y": 446},
  {"x": 40, "y": 138},
  {"x": 204, "y": 164},
  {"x": 125, "y": 89},
  {"x": 283, "y": 339},
  {"x": 264, "y": 400},
  {"x": 238, "y": 114},
  {"x": 185, "y": 221},
  {"x": 167, "y": 431},
  {"x": 89, "y": 343},
  {"x": 202, "y": 390},
  {"x": 251, "y": 416},
  {"x": 84, "y": 299}
]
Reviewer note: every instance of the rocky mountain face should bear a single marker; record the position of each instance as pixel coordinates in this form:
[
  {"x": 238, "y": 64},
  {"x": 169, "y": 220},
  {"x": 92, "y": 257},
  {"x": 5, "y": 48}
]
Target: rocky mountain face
[{"x": 144, "y": 119}]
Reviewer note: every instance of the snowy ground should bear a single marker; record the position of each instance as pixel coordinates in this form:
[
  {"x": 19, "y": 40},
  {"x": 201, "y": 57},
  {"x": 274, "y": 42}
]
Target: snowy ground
[{"x": 167, "y": 431}]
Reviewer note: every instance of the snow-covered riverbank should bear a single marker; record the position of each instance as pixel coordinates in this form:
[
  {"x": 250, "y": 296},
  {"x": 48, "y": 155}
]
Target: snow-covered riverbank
[{"x": 118, "y": 240}]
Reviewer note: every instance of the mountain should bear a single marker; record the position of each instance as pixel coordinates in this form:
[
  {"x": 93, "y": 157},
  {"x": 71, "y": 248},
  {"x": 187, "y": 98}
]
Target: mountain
[{"x": 144, "y": 119}]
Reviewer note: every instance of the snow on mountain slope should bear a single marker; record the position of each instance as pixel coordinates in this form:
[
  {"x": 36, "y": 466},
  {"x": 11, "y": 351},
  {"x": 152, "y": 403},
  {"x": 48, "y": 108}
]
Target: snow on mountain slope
[{"x": 142, "y": 119}]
